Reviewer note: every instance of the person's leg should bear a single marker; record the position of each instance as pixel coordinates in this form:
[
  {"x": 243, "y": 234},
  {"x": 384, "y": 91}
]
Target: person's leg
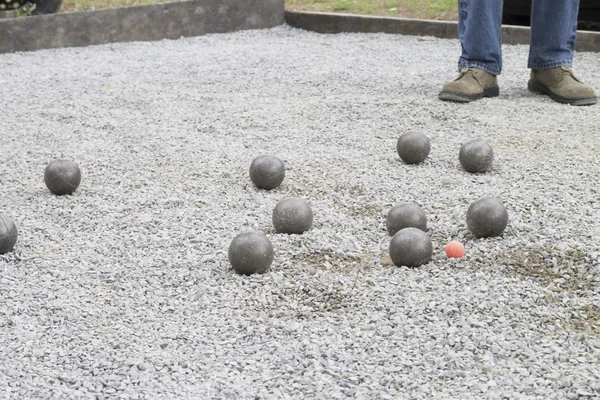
[
  {"x": 479, "y": 30},
  {"x": 553, "y": 33},
  {"x": 553, "y": 37}
]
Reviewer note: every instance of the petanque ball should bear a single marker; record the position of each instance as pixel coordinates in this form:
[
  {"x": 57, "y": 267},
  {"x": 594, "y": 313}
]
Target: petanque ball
[
  {"x": 410, "y": 247},
  {"x": 405, "y": 215},
  {"x": 292, "y": 215},
  {"x": 62, "y": 177},
  {"x": 476, "y": 156},
  {"x": 487, "y": 217},
  {"x": 267, "y": 172},
  {"x": 250, "y": 252},
  {"x": 413, "y": 147},
  {"x": 8, "y": 234}
]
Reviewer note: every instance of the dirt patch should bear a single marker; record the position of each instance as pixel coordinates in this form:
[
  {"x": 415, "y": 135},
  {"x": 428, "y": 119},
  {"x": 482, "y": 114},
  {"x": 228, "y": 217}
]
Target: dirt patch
[
  {"x": 586, "y": 320},
  {"x": 547, "y": 264}
]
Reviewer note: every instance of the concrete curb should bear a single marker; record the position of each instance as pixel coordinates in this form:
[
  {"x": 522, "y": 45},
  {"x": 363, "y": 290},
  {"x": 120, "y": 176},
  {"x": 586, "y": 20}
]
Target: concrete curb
[
  {"x": 139, "y": 23},
  {"x": 337, "y": 23}
]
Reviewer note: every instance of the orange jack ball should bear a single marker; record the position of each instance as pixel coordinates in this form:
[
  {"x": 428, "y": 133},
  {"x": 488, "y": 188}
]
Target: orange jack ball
[{"x": 455, "y": 249}]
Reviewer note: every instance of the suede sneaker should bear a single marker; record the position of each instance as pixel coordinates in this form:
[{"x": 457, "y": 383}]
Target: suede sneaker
[
  {"x": 562, "y": 85},
  {"x": 471, "y": 84}
]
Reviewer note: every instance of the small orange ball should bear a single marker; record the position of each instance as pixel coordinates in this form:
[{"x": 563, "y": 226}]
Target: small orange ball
[{"x": 455, "y": 249}]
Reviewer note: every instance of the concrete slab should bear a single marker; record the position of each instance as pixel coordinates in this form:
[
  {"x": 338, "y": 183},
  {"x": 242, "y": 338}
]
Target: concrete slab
[
  {"x": 338, "y": 23},
  {"x": 139, "y": 23}
]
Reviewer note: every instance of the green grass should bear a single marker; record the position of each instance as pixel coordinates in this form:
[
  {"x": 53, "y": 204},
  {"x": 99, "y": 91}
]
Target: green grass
[
  {"x": 445, "y": 5},
  {"x": 433, "y": 9},
  {"x": 83, "y": 5},
  {"x": 360, "y": 6}
]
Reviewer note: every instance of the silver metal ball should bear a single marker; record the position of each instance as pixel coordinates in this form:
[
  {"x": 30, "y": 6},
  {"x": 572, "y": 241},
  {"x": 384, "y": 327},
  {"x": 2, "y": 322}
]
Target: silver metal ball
[
  {"x": 250, "y": 252},
  {"x": 413, "y": 147},
  {"x": 292, "y": 215},
  {"x": 267, "y": 172},
  {"x": 410, "y": 247},
  {"x": 62, "y": 177},
  {"x": 476, "y": 156},
  {"x": 487, "y": 217},
  {"x": 8, "y": 234},
  {"x": 405, "y": 215}
]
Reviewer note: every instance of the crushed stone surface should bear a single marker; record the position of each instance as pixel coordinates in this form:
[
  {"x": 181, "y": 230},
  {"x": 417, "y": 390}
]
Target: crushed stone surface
[{"x": 123, "y": 290}]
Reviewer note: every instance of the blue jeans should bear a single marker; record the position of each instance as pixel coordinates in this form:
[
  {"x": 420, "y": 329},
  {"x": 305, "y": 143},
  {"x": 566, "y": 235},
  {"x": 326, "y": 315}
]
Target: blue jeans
[{"x": 553, "y": 34}]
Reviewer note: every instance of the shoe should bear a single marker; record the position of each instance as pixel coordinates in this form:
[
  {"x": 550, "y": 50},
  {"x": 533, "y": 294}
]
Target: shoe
[
  {"x": 471, "y": 84},
  {"x": 562, "y": 85}
]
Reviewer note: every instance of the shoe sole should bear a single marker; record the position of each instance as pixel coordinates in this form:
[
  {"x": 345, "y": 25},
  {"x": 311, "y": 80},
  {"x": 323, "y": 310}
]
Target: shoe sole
[
  {"x": 537, "y": 88},
  {"x": 467, "y": 98}
]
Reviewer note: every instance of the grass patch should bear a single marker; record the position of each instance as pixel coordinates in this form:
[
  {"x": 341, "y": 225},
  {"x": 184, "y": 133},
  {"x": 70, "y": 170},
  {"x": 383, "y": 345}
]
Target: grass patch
[
  {"x": 84, "y": 5},
  {"x": 360, "y": 6},
  {"x": 430, "y": 9}
]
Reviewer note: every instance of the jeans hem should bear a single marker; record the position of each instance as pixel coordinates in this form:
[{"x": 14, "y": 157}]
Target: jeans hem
[
  {"x": 494, "y": 70},
  {"x": 550, "y": 65}
]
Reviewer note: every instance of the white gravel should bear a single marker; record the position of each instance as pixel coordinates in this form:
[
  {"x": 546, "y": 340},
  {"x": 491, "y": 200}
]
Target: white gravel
[{"x": 123, "y": 290}]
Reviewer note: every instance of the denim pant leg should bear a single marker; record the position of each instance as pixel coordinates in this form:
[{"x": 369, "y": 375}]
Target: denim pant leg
[
  {"x": 553, "y": 33},
  {"x": 479, "y": 30}
]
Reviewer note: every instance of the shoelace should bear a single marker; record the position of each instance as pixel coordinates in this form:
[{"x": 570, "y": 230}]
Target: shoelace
[
  {"x": 465, "y": 71},
  {"x": 568, "y": 70}
]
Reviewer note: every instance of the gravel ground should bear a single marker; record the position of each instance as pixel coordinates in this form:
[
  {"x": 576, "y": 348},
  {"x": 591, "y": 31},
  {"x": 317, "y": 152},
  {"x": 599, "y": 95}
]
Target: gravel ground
[{"x": 124, "y": 290}]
